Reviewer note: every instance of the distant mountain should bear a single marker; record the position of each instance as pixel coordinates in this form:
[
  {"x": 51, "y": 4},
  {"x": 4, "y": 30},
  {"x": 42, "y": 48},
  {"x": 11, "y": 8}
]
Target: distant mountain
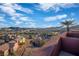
[
  {"x": 53, "y": 28},
  {"x": 75, "y": 27},
  {"x": 34, "y": 29}
]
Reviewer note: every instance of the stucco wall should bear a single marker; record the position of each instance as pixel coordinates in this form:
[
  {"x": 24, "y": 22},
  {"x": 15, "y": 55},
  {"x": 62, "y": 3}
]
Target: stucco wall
[
  {"x": 71, "y": 44},
  {"x": 51, "y": 48}
]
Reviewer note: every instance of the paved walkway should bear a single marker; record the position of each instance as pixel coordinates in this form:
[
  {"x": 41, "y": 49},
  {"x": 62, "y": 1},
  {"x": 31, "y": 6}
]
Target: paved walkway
[{"x": 63, "y": 53}]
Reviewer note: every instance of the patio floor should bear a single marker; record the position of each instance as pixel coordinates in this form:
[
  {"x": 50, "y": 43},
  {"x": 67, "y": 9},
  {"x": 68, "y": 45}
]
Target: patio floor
[{"x": 63, "y": 53}]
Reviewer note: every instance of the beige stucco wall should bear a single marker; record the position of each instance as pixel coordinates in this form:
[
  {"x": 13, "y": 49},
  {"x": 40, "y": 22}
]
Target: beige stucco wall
[
  {"x": 6, "y": 52},
  {"x": 15, "y": 47}
]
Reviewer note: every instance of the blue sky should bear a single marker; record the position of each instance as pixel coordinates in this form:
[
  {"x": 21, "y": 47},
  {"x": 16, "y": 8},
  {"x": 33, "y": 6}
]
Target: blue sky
[{"x": 37, "y": 15}]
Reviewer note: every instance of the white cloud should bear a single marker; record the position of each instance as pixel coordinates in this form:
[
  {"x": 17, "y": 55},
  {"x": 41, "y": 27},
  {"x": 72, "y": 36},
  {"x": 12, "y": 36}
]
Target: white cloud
[
  {"x": 18, "y": 22},
  {"x": 45, "y": 6},
  {"x": 22, "y": 19},
  {"x": 10, "y": 9},
  {"x": 7, "y": 9},
  {"x": 68, "y": 19},
  {"x": 26, "y": 10},
  {"x": 32, "y": 24},
  {"x": 27, "y": 19},
  {"x": 3, "y": 25},
  {"x": 67, "y": 5},
  {"x": 47, "y": 26},
  {"x": 53, "y": 18},
  {"x": 54, "y": 6},
  {"x": 13, "y": 7},
  {"x": 17, "y": 18},
  {"x": 2, "y": 19}
]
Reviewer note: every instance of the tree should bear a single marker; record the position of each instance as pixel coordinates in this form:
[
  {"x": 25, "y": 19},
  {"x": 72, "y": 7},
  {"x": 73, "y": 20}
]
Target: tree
[{"x": 67, "y": 23}]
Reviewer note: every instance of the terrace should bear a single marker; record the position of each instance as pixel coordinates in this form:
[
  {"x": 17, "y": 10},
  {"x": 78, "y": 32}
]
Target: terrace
[
  {"x": 62, "y": 45},
  {"x": 65, "y": 44}
]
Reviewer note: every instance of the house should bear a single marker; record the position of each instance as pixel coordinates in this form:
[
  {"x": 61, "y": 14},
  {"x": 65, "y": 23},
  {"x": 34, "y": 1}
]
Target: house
[
  {"x": 13, "y": 46},
  {"x": 8, "y": 48},
  {"x": 2, "y": 41},
  {"x": 4, "y": 49}
]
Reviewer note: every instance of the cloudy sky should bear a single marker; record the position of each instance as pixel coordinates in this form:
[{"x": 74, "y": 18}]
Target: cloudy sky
[{"x": 37, "y": 15}]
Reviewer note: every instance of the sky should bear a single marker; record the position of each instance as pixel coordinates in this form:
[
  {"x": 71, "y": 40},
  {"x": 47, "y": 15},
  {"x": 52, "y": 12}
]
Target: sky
[{"x": 37, "y": 15}]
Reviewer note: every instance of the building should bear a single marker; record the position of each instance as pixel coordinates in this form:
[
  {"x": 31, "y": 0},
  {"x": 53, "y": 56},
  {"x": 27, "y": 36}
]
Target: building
[
  {"x": 13, "y": 46},
  {"x": 4, "y": 49}
]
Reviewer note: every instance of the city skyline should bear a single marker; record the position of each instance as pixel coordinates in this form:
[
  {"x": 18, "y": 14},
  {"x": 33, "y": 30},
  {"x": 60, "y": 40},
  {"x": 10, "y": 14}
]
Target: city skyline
[{"x": 37, "y": 15}]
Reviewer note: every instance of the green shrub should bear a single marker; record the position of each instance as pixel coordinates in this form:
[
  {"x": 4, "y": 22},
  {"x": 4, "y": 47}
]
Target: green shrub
[
  {"x": 38, "y": 43},
  {"x": 42, "y": 42},
  {"x": 22, "y": 41}
]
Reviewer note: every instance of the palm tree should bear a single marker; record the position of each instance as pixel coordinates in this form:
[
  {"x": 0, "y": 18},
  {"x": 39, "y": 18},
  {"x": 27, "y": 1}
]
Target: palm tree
[{"x": 67, "y": 23}]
